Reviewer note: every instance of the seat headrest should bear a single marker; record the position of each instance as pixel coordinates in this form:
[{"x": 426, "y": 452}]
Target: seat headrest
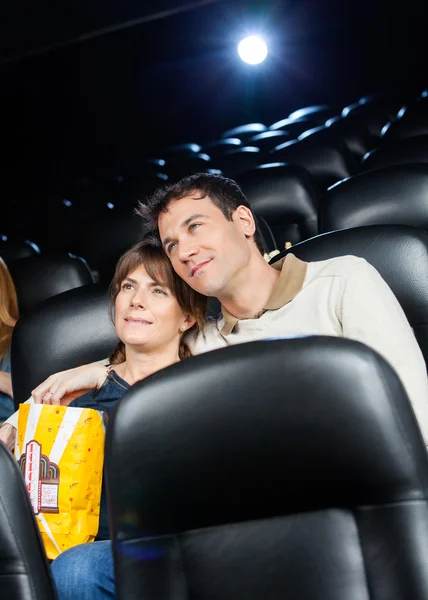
[
  {"x": 392, "y": 195},
  {"x": 278, "y": 191},
  {"x": 410, "y": 150},
  {"x": 42, "y": 276},
  {"x": 406, "y": 128},
  {"x": 263, "y": 429},
  {"x": 65, "y": 331},
  {"x": 102, "y": 241},
  {"x": 326, "y": 162}
]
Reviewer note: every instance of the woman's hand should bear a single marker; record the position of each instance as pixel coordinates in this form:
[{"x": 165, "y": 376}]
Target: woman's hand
[{"x": 61, "y": 388}]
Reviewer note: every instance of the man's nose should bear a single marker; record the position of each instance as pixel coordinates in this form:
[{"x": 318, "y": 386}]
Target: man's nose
[{"x": 186, "y": 250}]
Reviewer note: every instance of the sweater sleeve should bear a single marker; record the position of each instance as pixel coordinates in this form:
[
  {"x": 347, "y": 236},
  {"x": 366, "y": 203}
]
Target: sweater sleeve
[
  {"x": 13, "y": 419},
  {"x": 372, "y": 315}
]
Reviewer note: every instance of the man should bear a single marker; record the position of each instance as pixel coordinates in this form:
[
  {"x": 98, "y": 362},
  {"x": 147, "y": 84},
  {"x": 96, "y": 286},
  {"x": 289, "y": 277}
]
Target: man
[{"x": 208, "y": 231}]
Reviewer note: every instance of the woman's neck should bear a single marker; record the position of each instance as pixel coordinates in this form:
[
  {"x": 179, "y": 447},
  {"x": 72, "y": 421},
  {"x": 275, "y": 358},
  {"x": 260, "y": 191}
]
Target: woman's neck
[{"x": 139, "y": 365}]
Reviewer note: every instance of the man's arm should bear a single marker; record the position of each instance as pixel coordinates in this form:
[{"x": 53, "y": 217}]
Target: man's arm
[{"x": 370, "y": 313}]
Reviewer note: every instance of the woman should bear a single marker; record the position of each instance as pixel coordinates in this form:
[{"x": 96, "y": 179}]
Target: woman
[
  {"x": 152, "y": 309},
  {"x": 8, "y": 317}
]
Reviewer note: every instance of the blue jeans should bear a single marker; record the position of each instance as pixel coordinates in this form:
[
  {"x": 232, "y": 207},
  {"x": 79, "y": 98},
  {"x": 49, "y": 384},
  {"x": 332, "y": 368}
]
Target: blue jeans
[{"x": 85, "y": 572}]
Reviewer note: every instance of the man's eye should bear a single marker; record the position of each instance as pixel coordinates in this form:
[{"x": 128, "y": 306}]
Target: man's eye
[
  {"x": 194, "y": 226},
  {"x": 126, "y": 286},
  {"x": 159, "y": 291},
  {"x": 171, "y": 247}
]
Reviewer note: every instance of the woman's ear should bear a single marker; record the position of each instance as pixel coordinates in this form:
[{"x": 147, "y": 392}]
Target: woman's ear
[{"x": 187, "y": 323}]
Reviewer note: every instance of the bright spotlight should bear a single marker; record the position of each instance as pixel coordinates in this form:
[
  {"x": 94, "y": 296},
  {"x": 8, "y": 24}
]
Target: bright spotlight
[{"x": 252, "y": 50}]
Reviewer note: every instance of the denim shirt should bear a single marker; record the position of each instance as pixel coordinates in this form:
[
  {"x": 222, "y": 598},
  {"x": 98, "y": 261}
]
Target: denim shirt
[
  {"x": 7, "y": 406},
  {"x": 104, "y": 399}
]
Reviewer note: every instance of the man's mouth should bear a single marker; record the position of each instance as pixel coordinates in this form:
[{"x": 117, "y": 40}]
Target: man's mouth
[{"x": 199, "y": 266}]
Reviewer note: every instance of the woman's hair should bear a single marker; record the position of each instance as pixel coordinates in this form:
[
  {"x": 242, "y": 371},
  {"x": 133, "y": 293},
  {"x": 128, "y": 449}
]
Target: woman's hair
[
  {"x": 150, "y": 254},
  {"x": 9, "y": 313}
]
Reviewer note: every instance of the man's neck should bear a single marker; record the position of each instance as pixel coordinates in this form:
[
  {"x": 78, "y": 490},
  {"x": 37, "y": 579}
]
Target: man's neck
[{"x": 250, "y": 292}]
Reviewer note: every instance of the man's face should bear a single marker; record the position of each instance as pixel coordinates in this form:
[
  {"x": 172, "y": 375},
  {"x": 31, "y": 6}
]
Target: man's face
[{"x": 205, "y": 249}]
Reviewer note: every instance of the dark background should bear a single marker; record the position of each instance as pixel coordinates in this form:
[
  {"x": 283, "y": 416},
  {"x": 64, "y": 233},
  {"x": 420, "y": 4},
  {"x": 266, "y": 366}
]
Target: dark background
[{"x": 88, "y": 85}]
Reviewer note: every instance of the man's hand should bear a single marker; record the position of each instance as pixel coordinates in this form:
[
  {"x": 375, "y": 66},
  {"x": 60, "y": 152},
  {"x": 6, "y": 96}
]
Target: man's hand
[
  {"x": 61, "y": 388},
  {"x": 8, "y": 435}
]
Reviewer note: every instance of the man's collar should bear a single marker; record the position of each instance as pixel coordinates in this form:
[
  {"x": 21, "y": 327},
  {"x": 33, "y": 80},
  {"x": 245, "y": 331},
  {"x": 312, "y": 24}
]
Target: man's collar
[{"x": 288, "y": 285}]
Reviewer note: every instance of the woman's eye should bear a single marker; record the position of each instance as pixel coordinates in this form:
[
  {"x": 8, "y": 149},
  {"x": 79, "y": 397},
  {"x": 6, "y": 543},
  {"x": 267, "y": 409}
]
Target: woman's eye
[
  {"x": 171, "y": 247},
  {"x": 159, "y": 291},
  {"x": 126, "y": 286}
]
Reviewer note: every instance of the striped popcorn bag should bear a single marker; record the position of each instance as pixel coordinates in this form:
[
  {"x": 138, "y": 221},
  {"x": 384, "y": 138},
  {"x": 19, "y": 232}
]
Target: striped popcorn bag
[{"x": 60, "y": 451}]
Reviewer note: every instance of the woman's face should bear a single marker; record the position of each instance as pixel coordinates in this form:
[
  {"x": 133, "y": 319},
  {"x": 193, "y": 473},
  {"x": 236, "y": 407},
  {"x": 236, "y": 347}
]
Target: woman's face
[{"x": 147, "y": 314}]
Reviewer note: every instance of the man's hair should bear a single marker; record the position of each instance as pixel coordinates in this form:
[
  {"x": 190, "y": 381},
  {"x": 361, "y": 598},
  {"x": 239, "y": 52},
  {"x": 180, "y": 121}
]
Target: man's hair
[{"x": 225, "y": 194}]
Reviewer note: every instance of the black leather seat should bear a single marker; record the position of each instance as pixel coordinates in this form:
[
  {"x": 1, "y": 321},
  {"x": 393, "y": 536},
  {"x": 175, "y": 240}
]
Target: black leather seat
[
  {"x": 409, "y": 150},
  {"x": 243, "y": 132},
  {"x": 41, "y": 276},
  {"x": 238, "y": 160},
  {"x": 293, "y": 126},
  {"x": 65, "y": 331},
  {"x": 371, "y": 118},
  {"x": 318, "y": 113},
  {"x": 269, "y": 139},
  {"x": 179, "y": 167},
  {"x": 219, "y": 147},
  {"x": 102, "y": 241},
  {"x": 11, "y": 249},
  {"x": 394, "y": 195},
  {"x": 405, "y": 128},
  {"x": 325, "y": 162},
  {"x": 354, "y": 136},
  {"x": 24, "y": 569},
  {"x": 398, "y": 252},
  {"x": 285, "y": 197},
  {"x": 301, "y": 474}
]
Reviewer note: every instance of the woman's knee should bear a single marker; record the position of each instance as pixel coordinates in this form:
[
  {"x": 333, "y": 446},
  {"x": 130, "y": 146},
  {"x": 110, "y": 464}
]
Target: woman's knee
[{"x": 85, "y": 572}]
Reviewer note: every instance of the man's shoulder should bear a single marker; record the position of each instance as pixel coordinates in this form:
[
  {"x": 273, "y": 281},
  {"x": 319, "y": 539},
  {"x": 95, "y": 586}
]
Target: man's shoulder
[
  {"x": 207, "y": 339},
  {"x": 339, "y": 266}
]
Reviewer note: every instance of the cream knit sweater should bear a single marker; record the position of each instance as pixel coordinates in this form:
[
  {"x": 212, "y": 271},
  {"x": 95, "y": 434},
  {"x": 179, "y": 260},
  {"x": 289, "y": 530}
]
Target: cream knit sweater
[{"x": 344, "y": 297}]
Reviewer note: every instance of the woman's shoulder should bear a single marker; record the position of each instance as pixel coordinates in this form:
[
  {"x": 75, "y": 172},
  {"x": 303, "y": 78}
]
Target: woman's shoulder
[{"x": 106, "y": 396}]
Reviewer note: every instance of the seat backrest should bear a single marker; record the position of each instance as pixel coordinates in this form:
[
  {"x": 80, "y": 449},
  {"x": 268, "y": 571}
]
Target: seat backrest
[
  {"x": 103, "y": 241},
  {"x": 24, "y": 569},
  {"x": 11, "y": 249},
  {"x": 392, "y": 195},
  {"x": 44, "y": 275},
  {"x": 238, "y": 160},
  {"x": 405, "y": 128},
  {"x": 325, "y": 162},
  {"x": 243, "y": 132},
  {"x": 398, "y": 252},
  {"x": 65, "y": 331},
  {"x": 300, "y": 474},
  {"x": 399, "y": 152},
  {"x": 269, "y": 139},
  {"x": 317, "y": 113},
  {"x": 285, "y": 197}
]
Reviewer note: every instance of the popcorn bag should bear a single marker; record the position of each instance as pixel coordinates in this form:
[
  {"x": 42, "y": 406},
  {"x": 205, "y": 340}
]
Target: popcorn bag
[{"x": 60, "y": 451}]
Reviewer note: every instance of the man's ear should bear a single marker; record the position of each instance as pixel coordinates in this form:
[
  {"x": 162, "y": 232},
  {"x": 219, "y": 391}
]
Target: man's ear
[{"x": 245, "y": 219}]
